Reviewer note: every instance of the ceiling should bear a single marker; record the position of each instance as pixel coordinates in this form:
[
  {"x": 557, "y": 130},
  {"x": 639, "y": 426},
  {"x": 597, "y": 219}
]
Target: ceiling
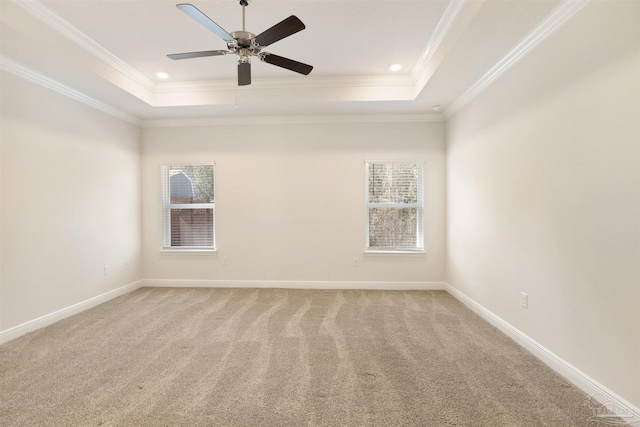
[{"x": 107, "y": 52}]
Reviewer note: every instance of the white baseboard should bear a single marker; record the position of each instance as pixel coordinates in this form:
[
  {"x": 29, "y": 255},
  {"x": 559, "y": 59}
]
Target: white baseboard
[
  {"x": 593, "y": 388},
  {"x": 48, "y": 319},
  {"x": 289, "y": 284}
]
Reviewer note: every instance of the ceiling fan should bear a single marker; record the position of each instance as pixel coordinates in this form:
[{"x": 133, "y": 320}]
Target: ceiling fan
[{"x": 246, "y": 44}]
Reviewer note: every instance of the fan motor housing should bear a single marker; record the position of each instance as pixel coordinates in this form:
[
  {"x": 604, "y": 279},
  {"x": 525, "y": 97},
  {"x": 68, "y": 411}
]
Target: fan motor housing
[{"x": 243, "y": 38}]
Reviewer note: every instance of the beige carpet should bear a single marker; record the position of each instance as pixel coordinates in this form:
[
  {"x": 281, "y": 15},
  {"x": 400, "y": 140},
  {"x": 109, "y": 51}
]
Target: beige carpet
[{"x": 276, "y": 357}]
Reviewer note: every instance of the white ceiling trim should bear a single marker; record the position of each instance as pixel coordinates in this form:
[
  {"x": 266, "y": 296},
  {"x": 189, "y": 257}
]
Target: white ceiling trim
[
  {"x": 57, "y": 23},
  {"x": 453, "y": 22},
  {"x": 26, "y": 73},
  {"x": 279, "y": 83},
  {"x": 558, "y": 17},
  {"x": 442, "y": 29},
  {"x": 277, "y": 120}
]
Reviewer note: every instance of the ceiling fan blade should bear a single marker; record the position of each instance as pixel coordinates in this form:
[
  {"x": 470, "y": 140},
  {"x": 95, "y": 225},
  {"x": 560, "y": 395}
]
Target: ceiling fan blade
[
  {"x": 283, "y": 29},
  {"x": 287, "y": 63},
  {"x": 244, "y": 73},
  {"x": 201, "y": 54},
  {"x": 196, "y": 14}
]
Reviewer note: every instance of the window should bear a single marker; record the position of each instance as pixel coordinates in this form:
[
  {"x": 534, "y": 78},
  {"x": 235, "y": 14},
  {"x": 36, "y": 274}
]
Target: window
[
  {"x": 394, "y": 206},
  {"x": 188, "y": 206}
]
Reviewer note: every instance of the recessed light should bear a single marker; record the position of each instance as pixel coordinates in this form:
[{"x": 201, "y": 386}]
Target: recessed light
[
  {"x": 435, "y": 107},
  {"x": 395, "y": 67},
  {"x": 162, "y": 75}
]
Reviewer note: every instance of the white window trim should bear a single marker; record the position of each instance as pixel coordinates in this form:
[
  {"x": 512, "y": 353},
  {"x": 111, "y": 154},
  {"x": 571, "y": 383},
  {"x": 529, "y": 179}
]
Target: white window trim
[
  {"x": 189, "y": 251},
  {"x": 368, "y": 251},
  {"x": 166, "y": 225},
  {"x": 403, "y": 252}
]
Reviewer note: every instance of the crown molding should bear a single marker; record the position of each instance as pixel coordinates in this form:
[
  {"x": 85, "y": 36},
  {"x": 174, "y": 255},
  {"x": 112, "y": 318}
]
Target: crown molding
[
  {"x": 442, "y": 29},
  {"x": 279, "y": 120},
  {"x": 26, "y": 73},
  {"x": 558, "y": 17},
  {"x": 60, "y": 25},
  {"x": 453, "y": 22},
  {"x": 284, "y": 83}
]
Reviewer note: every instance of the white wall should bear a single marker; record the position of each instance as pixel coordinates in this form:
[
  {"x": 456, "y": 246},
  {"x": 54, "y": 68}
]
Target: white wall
[
  {"x": 70, "y": 186},
  {"x": 290, "y": 201},
  {"x": 543, "y": 192}
]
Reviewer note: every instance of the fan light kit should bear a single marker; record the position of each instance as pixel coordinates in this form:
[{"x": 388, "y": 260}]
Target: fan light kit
[{"x": 245, "y": 44}]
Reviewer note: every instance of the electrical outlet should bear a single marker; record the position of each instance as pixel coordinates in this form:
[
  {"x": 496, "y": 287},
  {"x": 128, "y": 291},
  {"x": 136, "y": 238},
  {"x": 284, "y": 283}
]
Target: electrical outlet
[
  {"x": 356, "y": 262},
  {"x": 225, "y": 261},
  {"x": 107, "y": 270},
  {"x": 524, "y": 300}
]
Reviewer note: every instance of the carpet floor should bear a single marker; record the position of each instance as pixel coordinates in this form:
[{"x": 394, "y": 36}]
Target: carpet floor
[{"x": 279, "y": 357}]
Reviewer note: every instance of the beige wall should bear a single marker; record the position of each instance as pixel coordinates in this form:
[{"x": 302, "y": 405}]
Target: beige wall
[
  {"x": 290, "y": 201},
  {"x": 1, "y": 138},
  {"x": 70, "y": 191},
  {"x": 543, "y": 192}
]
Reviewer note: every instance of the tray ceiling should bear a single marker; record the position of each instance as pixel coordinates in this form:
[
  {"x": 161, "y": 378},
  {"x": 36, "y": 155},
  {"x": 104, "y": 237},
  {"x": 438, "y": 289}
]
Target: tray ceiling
[{"x": 110, "y": 51}]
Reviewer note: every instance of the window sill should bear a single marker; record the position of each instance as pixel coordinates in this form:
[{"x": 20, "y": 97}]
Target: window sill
[
  {"x": 392, "y": 253},
  {"x": 188, "y": 251}
]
